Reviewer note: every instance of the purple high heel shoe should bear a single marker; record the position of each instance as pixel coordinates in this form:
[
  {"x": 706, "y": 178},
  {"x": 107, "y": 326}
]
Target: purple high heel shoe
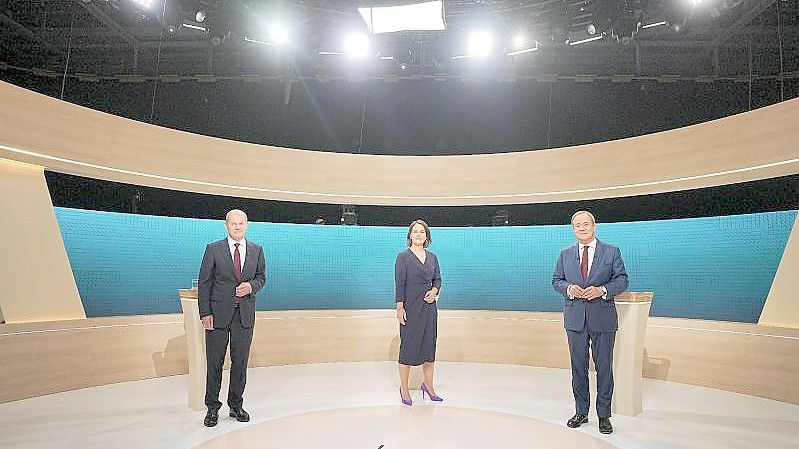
[
  {"x": 408, "y": 401},
  {"x": 430, "y": 395}
]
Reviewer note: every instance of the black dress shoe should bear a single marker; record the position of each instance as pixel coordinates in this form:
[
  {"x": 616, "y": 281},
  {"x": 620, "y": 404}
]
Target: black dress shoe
[
  {"x": 239, "y": 414},
  {"x": 211, "y": 418},
  {"x": 605, "y": 426},
  {"x": 577, "y": 420}
]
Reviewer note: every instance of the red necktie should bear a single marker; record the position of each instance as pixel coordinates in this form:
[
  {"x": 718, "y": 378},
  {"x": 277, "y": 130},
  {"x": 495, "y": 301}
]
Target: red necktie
[
  {"x": 584, "y": 263},
  {"x": 237, "y": 262}
]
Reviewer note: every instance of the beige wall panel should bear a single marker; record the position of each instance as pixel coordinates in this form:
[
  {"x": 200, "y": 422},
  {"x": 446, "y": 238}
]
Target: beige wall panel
[
  {"x": 782, "y": 304},
  {"x": 35, "y": 275},
  {"x": 68, "y": 138},
  {"x": 51, "y": 357}
]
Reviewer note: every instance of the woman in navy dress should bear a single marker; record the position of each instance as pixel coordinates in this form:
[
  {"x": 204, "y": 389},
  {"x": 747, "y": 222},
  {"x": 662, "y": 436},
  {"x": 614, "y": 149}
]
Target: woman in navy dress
[{"x": 418, "y": 281}]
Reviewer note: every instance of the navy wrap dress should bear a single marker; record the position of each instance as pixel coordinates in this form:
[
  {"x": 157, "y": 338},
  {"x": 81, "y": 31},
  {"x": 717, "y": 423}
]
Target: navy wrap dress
[{"x": 412, "y": 280}]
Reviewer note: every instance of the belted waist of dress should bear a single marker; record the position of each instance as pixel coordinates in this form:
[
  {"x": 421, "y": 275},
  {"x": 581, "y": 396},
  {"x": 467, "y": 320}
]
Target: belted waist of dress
[{"x": 427, "y": 283}]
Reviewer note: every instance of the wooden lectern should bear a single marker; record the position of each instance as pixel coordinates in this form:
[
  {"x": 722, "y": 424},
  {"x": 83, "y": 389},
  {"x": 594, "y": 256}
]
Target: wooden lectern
[
  {"x": 195, "y": 345},
  {"x": 628, "y": 351}
]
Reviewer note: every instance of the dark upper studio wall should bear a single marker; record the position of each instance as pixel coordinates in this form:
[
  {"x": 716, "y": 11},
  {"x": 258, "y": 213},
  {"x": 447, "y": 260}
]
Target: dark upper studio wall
[
  {"x": 767, "y": 195},
  {"x": 418, "y": 117}
]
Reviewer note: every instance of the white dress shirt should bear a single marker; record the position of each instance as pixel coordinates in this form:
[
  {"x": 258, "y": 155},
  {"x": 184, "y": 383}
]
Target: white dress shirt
[
  {"x": 591, "y": 251},
  {"x": 242, "y": 250}
]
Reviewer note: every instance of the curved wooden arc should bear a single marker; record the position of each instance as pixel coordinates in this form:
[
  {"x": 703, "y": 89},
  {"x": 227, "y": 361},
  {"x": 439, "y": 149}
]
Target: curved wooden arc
[{"x": 71, "y": 139}]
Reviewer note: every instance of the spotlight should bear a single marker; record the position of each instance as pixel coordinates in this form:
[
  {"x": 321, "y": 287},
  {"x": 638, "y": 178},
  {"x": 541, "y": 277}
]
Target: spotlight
[
  {"x": 519, "y": 42},
  {"x": 356, "y": 45},
  {"x": 278, "y": 34},
  {"x": 200, "y": 16},
  {"x": 143, "y": 3},
  {"x": 480, "y": 43},
  {"x": 591, "y": 29}
]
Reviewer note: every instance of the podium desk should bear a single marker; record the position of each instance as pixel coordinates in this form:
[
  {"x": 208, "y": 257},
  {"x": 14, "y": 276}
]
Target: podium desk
[
  {"x": 195, "y": 346},
  {"x": 628, "y": 351}
]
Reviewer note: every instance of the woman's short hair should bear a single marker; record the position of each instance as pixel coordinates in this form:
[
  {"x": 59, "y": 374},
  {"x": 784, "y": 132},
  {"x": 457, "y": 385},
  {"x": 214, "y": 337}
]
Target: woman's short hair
[{"x": 428, "y": 238}]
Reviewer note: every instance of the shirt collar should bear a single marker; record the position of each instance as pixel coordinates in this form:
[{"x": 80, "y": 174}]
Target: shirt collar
[
  {"x": 591, "y": 244},
  {"x": 231, "y": 242}
]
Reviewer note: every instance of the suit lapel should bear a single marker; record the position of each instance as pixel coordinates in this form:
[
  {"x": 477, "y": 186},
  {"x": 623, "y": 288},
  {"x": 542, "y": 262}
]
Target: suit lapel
[
  {"x": 576, "y": 257},
  {"x": 248, "y": 258},
  {"x": 599, "y": 252}
]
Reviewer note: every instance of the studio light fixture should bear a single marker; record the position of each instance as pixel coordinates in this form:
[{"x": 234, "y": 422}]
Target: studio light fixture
[
  {"x": 519, "y": 42},
  {"x": 143, "y": 3},
  {"x": 480, "y": 43},
  {"x": 256, "y": 41},
  {"x": 192, "y": 26},
  {"x": 427, "y": 16},
  {"x": 356, "y": 45},
  {"x": 278, "y": 34},
  {"x": 525, "y": 50},
  {"x": 657, "y": 24},
  {"x": 586, "y": 40}
]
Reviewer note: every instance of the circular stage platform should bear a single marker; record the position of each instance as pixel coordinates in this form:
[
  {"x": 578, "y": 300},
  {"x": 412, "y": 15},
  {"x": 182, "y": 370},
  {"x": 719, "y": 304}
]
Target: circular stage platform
[{"x": 357, "y": 405}]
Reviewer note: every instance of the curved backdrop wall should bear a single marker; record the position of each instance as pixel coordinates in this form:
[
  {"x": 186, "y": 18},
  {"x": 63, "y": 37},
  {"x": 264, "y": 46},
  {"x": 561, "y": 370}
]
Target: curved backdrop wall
[
  {"x": 63, "y": 137},
  {"x": 718, "y": 268}
]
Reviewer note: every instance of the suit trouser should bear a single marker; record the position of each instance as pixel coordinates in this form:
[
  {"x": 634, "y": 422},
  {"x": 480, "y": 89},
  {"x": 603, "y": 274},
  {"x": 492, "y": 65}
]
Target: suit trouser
[
  {"x": 216, "y": 342},
  {"x": 602, "y": 353}
]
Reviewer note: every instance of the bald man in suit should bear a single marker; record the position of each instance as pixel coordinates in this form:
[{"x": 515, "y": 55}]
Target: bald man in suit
[{"x": 233, "y": 270}]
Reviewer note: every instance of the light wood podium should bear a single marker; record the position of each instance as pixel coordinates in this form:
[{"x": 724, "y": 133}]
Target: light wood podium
[
  {"x": 195, "y": 348},
  {"x": 628, "y": 351}
]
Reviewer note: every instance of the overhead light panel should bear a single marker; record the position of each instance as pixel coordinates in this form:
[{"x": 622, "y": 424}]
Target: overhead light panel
[
  {"x": 427, "y": 16},
  {"x": 143, "y": 3},
  {"x": 656, "y": 24},
  {"x": 193, "y": 26},
  {"x": 524, "y": 50},
  {"x": 586, "y": 40},
  {"x": 256, "y": 41}
]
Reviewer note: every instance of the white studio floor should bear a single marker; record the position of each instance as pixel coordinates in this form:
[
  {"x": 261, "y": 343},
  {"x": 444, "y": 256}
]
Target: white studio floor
[{"x": 356, "y": 405}]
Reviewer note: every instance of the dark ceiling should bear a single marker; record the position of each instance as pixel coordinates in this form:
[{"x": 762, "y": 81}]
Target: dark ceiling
[{"x": 119, "y": 39}]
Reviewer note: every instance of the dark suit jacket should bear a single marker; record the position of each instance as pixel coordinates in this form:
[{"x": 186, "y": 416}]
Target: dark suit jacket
[
  {"x": 607, "y": 270},
  {"x": 217, "y": 283}
]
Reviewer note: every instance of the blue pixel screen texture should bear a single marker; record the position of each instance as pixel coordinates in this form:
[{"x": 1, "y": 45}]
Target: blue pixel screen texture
[{"x": 718, "y": 268}]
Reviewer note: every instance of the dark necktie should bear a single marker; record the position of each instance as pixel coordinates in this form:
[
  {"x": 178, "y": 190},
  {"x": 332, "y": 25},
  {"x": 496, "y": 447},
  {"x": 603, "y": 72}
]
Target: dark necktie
[
  {"x": 584, "y": 263},
  {"x": 237, "y": 262}
]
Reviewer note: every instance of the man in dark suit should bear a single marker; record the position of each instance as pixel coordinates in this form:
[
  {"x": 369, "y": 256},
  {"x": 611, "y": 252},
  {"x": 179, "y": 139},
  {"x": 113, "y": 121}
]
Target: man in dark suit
[
  {"x": 588, "y": 275},
  {"x": 232, "y": 272}
]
